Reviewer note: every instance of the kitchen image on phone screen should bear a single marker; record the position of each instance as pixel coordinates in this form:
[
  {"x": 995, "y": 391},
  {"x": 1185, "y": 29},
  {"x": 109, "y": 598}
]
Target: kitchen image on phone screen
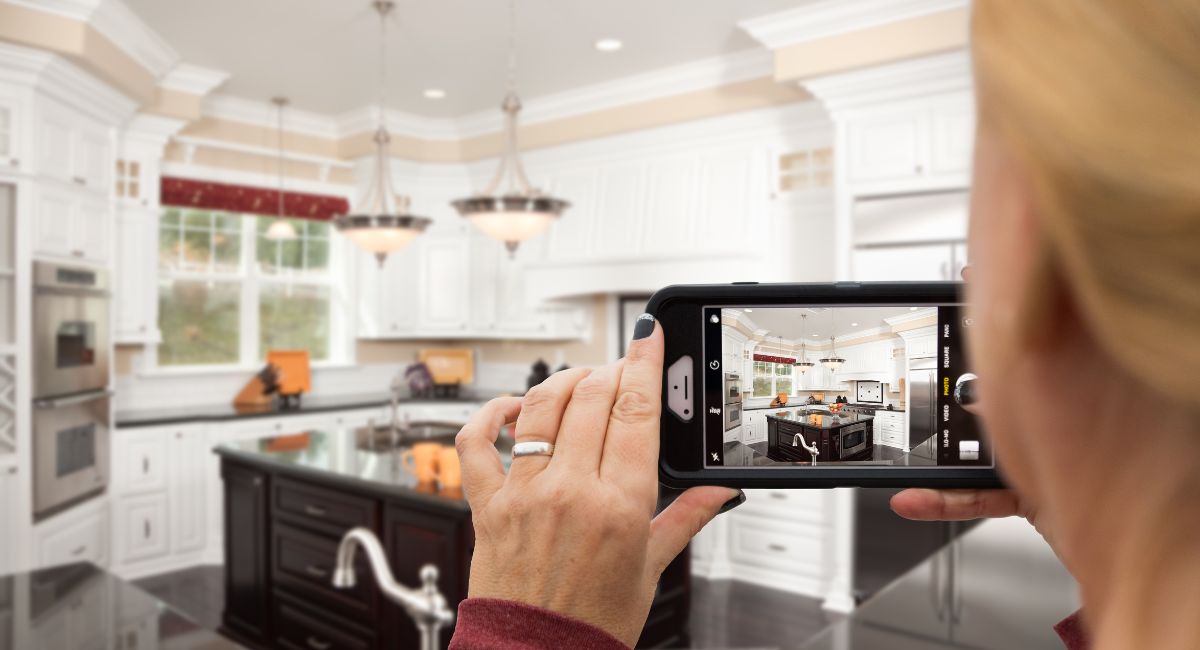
[{"x": 838, "y": 386}]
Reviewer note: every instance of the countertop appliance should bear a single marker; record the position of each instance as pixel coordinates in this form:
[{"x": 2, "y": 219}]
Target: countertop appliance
[
  {"x": 732, "y": 409},
  {"x": 70, "y": 378},
  {"x": 922, "y": 407}
]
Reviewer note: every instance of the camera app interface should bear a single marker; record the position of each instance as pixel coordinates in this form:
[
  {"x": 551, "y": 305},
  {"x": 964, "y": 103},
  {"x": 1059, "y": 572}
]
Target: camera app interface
[{"x": 839, "y": 386}]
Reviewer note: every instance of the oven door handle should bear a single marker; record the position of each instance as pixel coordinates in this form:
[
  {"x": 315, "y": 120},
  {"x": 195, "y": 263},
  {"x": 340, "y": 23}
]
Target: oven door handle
[{"x": 71, "y": 400}]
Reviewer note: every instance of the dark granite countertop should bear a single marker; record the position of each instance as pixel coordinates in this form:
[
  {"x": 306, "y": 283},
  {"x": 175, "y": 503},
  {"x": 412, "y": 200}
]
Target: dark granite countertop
[
  {"x": 356, "y": 459},
  {"x": 80, "y": 606},
  {"x": 308, "y": 404},
  {"x": 819, "y": 420}
]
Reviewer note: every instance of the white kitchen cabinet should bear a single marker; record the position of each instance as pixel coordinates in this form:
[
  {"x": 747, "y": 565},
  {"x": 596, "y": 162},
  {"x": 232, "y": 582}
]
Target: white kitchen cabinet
[
  {"x": 922, "y": 344},
  {"x": 920, "y": 144},
  {"x": 77, "y": 535},
  {"x": 780, "y": 549},
  {"x": 186, "y": 495},
  {"x": 139, "y": 458},
  {"x": 443, "y": 288},
  {"x": 140, "y": 528},
  {"x": 73, "y": 148},
  {"x": 135, "y": 290},
  {"x": 754, "y": 426},
  {"x": 71, "y": 225},
  {"x": 889, "y": 429},
  {"x": 13, "y": 129},
  {"x": 9, "y": 481},
  {"x": 921, "y": 263}
]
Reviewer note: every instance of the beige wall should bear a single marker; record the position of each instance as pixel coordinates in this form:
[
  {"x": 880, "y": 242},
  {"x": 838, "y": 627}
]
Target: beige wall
[{"x": 920, "y": 36}]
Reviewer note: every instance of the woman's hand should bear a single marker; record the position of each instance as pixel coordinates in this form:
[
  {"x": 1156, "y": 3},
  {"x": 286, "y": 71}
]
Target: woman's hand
[{"x": 573, "y": 532}]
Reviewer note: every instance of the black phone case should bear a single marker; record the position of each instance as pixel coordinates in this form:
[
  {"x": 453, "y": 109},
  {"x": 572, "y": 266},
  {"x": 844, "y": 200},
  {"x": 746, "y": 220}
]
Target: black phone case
[{"x": 677, "y": 309}]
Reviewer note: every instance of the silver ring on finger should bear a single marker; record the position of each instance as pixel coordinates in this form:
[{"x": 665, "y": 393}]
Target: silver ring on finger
[{"x": 535, "y": 448}]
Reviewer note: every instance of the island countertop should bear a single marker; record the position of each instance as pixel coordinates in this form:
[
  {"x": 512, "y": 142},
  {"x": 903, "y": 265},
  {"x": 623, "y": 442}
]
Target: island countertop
[
  {"x": 355, "y": 458},
  {"x": 819, "y": 420}
]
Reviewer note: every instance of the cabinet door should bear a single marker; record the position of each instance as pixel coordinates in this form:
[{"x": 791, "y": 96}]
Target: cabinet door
[
  {"x": 55, "y": 140},
  {"x": 187, "y": 491},
  {"x": 81, "y": 538},
  {"x": 52, "y": 233},
  {"x": 141, "y": 528},
  {"x": 135, "y": 297},
  {"x": 93, "y": 158},
  {"x": 10, "y": 132},
  {"x": 443, "y": 284},
  {"x": 247, "y": 586},
  {"x": 140, "y": 460},
  {"x": 92, "y": 229},
  {"x": 928, "y": 263},
  {"x": 414, "y": 539},
  {"x": 9, "y": 480},
  {"x": 953, "y": 135},
  {"x": 889, "y": 146}
]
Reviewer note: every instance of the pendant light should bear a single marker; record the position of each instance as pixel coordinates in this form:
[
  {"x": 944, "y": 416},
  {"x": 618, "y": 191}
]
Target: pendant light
[
  {"x": 802, "y": 362},
  {"x": 381, "y": 223},
  {"x": 833, "y": 361},
  {"x": 281, "y": 229},
  {"x": 517, "y": 212}
]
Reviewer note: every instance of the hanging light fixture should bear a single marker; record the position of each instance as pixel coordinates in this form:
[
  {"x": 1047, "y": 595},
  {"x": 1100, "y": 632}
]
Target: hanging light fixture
[
  {"x": 381, "y": 224},
  {"x": 802, "y": 362},
  {"x": 518, "y": 212},
  {"x": 833, "y": 361},
  {"x": 280, "y": 229}
]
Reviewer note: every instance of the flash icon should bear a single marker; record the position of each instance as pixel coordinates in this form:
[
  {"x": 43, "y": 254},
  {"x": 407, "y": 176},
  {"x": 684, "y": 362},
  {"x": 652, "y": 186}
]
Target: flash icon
[{"x": 716, "y": 458}]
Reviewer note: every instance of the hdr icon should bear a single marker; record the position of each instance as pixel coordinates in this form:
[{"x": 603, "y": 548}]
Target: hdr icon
[{"x": 714, "y": 411}]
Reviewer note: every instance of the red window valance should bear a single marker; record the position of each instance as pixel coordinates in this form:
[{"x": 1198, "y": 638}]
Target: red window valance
[
  {"x": 772, "y": 359},
  {"x": 206, "y": 195}
]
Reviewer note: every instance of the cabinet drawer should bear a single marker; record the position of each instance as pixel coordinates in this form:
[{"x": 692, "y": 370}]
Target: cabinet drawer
[
  {"x": 793, "y": 505},
  {"x": 302, "y": 566},
  {"x": 300, "y": 628},
  {"x": 83, "y": 540},
  {"x": 786, "y": 547},
  {"x": 324, "y": 509},
  {"x": 141, "y": 462},
  {"x": 141, "y": 528}
]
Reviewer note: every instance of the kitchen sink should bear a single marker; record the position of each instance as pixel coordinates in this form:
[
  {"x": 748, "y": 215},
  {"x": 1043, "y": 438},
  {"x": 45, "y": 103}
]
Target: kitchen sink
[{"x": 385, "y": 438}]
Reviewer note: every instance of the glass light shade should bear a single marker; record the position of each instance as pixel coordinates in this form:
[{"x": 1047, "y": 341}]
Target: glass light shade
[
  {"x": 803, "y": 366},
  {"x": 511, "y": 219},
  {"x": 833, "y": 363},
  {"x": 281, "y": 229},
  {"x": 381, "y": 234}
]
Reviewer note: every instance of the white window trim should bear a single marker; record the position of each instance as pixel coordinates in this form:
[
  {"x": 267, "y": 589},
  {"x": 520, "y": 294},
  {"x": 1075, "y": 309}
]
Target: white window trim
[
  {"x": 341, "y": 314},
  {"x": 774, "y": 379}
]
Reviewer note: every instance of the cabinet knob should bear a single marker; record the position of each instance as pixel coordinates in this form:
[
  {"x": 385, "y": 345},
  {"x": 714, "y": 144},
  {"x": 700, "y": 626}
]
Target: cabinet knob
[
  {"x": 920, "y": 169},
  {"x": 256, "y": 482},
  {"x": 79, "y": 180}
]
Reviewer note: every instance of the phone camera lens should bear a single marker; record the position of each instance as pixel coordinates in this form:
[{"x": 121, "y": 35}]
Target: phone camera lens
[{"x": 687, "y": 411}]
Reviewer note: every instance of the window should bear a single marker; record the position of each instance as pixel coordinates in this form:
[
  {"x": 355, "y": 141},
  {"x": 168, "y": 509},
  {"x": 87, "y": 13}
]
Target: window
[
  {"x": 227, "y": 294},
  {"x": 127, "y": 177},
  {"x": 770, "y": 379}
]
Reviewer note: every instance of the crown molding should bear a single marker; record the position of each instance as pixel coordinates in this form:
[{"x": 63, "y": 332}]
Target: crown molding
[
  {"x": 911, "y": 316},
  {"x": 55, "y": 76},
  {"x": 238, "y": 177},
  {"x": 664, "y": 82},
  {"x": 256, "y": 113},
  {"x": 832, "y": 17},
  {"x": 193, "y": 79},
  {"x": 152, "y": 128},
  {"x": 920, "y": 77},
  {"x": 118, "y": 24}
]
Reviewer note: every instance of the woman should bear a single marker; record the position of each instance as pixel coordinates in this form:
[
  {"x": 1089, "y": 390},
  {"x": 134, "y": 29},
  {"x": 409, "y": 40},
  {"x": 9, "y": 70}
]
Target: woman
[{"x": 1085, "y": 243}]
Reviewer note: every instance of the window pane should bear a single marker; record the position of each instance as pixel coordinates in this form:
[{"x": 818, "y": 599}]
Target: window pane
[
  {"x": 196, "y": 249},
  {"x": 783, "y": 385},
  {"x": 227, "y": 252},
  {"x": 227, "y": 222},
  {"x": 198, "y": 219},
  {"x": 168, "y": 247},
  {"x": 783, "y": 369},
  {"x": 316, "y": 228},
  {"x": 294, "y": 317},
  {"x": 199, "y": 322},
  {"x": 316, "y": 255},
  {"x": 762, "y": 379},
  {"x": 170, "y": 217}
]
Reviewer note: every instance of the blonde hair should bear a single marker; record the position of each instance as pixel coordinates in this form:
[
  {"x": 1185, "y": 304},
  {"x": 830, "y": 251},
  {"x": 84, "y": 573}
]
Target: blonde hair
[{"x": 1100, "y": 99}]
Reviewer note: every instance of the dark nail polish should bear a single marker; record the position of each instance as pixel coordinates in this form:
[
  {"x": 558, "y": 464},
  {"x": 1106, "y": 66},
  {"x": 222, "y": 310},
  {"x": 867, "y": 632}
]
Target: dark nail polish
[
  {"x": 733, "y": 503},
  {"x": 644, "y": 327}
]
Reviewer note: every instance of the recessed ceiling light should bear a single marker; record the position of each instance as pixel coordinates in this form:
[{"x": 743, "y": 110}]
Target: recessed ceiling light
[
  {"x": 609, "y": 45},
  {"x": 814, "y": 336},
  {"x": 913, "y": 308},
  {"x": 853, "y": 324},
  {"x": 434, "y": 93},
  {"x": 749, "y": 311}
]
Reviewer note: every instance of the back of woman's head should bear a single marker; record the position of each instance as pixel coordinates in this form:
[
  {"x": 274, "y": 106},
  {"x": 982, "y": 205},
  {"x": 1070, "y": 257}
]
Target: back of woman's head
[{"x": 1100, "y": 101}]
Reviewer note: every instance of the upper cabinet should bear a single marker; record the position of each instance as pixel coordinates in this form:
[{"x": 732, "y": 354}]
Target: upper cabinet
[
  {"x": 12, "y": 130},
  {"x": 73, "y": 148},
  {"x": 135, "y": 280},
  {"x": 72, "y": 226},
  {"x": 914, "y": 145}
]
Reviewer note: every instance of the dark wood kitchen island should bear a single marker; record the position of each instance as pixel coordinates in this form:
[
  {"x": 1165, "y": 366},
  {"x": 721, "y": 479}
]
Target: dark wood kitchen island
[
  {"x": 288, "y": 500},
  {"x": 838, "y": 437}
]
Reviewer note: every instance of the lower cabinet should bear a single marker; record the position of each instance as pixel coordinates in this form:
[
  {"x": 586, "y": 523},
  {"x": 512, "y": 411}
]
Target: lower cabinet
[
  {"x": 247, "y": 568},
  {"x": 77, "y": 535}
]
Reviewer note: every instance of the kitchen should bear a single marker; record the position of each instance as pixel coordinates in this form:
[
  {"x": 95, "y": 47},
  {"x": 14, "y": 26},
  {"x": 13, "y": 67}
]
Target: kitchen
[{"x": 167, "y": 229}]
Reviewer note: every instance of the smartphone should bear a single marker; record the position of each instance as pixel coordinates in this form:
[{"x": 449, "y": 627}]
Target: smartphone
[{"x": 818, "y": 386}]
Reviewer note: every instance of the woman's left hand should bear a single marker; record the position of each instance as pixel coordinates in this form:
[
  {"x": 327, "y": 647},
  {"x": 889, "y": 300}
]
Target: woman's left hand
[{"x": 575, "y": 532}]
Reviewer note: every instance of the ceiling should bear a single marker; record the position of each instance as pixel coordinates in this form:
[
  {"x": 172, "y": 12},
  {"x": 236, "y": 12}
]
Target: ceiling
[
  {"x": 323, "y": 54},
  {"x": 787, "y": 322}
]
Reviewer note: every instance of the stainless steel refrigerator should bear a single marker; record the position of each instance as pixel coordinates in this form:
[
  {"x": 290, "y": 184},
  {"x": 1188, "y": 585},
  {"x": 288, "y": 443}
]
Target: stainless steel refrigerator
[{"x": 922, "y": 407}]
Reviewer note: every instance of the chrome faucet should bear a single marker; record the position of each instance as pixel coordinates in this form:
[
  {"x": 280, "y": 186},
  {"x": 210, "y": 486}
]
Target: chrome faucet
[
  {"x": 799, "y": 441},
  {"x": 424, "y": 605}
]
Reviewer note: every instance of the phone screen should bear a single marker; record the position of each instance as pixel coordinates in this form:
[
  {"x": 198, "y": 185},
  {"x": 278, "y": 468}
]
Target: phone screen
[{"x": 839, "y": 386}]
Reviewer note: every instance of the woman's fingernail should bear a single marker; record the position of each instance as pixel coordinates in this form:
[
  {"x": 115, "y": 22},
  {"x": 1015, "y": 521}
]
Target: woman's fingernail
[
  {"x": 733, "y": 503},
  {"x": 644, "y": 327}
]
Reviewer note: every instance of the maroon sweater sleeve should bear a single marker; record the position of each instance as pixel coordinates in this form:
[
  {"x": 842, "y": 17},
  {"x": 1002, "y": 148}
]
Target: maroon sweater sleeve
[
  {"x": 490, "y": 624},
  {"x": 1072, "y": 633}
]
